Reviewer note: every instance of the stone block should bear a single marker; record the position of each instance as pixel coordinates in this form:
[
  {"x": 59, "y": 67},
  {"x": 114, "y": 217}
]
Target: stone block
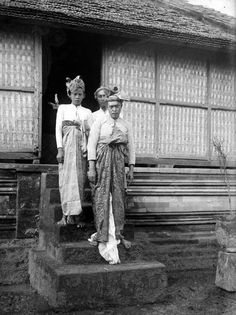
[
  {"x": 28, "y": 195},
  {"x": 14, "y": 261},
  {"x": 226, "y": 232},
  {"x": 52, "y": 181},
  {"x": 74, "y": 287},
  {"x": 55, "y": 196},
  {"x": 226, "y": 271}
]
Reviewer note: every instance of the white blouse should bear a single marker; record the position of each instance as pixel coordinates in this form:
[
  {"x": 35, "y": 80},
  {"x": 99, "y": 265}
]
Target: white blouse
[
  {"x": 103, "y": 127},
  {"x": 71, "y": 112},
  {"x": 99, "y": 114}
]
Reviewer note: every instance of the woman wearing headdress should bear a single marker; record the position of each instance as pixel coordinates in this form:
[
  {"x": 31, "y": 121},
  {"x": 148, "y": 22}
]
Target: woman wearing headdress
[
  {"x": 110, "y": 144},
  {"x": 73, "y": 123}
]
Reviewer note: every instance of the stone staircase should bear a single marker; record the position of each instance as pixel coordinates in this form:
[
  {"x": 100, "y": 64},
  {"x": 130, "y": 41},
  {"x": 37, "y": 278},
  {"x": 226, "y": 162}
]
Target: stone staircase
[{"x": 71, "y": 274}]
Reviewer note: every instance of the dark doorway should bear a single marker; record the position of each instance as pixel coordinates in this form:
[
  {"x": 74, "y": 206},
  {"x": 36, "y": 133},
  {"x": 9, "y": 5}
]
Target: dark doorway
[{"x": 67, "y": 53}]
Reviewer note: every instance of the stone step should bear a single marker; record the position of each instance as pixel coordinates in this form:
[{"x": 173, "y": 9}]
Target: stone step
[
  {"x": 190, "y": 263},
  {"x": 201, "y": 241},
  {"x": 83, "y": 253},
  {"x": 53, "y": 214},
  {"x": 70, "y": 233},
  {"x": 78, "y": 287}
]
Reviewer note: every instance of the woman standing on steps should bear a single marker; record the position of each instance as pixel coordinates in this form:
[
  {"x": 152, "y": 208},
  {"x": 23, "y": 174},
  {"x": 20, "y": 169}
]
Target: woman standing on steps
[
  {"x": 110, "y": 143},
  {"x": 73, "y": 123}
]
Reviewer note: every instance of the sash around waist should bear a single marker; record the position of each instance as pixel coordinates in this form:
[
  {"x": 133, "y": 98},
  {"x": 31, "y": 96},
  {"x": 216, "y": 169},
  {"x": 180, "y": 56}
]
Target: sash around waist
[{"x": 71, "y": 123}]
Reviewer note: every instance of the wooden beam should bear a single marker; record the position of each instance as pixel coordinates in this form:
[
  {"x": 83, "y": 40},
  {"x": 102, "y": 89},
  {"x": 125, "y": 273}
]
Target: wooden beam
[{"x": 17, "y": 89}]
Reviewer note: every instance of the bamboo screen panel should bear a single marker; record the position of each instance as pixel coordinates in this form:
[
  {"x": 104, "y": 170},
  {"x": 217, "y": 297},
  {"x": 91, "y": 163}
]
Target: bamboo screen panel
[
  {"x": 183, "y": 80},
  {"x": 223, "y": 129},
  {"x": 182, "y": 131},
  {"x": 18, "y": 92},
  {"x": 132, "y": 70},
  {"x": 17, "y": 119},
  {"x": 142, "y": 118},
  {"x": 223, "y": 86}
]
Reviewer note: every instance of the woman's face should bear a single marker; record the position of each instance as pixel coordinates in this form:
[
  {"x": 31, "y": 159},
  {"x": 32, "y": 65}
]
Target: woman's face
[
  {"x": 77, "y": 96},
  {"x": 114, "y": 108},
  {"x": 102, "y": 96}
]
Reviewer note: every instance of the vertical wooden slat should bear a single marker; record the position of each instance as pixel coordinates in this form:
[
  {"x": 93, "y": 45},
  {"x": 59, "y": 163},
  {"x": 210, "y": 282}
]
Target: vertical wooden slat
[
  {"x": 208, "y": 104},
  {"x": 157, "y": 107},
  {"x": 38, "y": 94},
  {"x": 104, "y": 75}
]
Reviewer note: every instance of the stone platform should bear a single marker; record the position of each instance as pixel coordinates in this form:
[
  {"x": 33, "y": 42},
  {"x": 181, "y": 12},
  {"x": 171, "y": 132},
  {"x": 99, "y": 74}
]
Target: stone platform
[
  {"x": 70, "y": 273},
  {"x": 226, "y": 270},
  {"x": 76, "y": 287}
]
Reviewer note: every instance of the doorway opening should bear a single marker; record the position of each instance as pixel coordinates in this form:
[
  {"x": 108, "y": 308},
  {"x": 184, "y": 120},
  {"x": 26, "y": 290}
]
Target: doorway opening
[{"x": 67, "y": 53}]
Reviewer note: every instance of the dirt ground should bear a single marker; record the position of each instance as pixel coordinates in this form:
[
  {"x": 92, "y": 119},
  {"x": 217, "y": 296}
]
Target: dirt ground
[{"x": 188, "y": 293}]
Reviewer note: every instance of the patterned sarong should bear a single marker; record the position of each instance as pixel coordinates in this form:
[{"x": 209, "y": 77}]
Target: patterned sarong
[
  {"x": 110, "y": 166},
  {"x": 72, "y": 172}
]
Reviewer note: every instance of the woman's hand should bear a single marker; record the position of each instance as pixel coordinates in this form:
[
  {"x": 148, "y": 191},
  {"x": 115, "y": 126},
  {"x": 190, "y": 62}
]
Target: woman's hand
[
  {"x": 92, "y": 172},
  {"x": 92, "y": 175},
  {"x": 60, "y": 155},
  {"x": 86, "y": 126},
  {"x": 130, "y": 175}
]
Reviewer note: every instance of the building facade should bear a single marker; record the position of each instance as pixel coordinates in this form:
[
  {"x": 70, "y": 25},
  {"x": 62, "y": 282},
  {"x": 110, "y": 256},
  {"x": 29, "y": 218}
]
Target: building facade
[{"x": 175, "y": 62}]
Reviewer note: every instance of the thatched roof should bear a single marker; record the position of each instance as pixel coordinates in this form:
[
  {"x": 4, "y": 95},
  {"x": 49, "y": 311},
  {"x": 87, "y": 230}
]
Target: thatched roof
[{"x": 149, "y": 19}]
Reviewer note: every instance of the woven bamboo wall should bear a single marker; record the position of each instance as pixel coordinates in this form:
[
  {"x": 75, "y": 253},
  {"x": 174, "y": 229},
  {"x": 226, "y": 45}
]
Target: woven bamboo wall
[
  {"x": 19, "y": 85},
  {"x": 223, "y": 124},
  {"x": 222, "y": 89},
  {"x": 179, "y": 101},
  {"x": 131, "y": 69},
  {"x": 183, "y": 79},
  {"x": 182, "y": 131},
  {"x": 223, "y": 102}
]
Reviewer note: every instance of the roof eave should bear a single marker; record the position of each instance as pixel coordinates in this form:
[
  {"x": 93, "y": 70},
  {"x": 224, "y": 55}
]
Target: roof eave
[{"x": 108, "y": 27}]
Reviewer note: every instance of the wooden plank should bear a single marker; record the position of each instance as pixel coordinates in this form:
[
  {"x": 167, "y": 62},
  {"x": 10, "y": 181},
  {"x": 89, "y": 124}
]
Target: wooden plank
[
  {"x": 180, "y": 162},
  {"x": 17, "y": 156},
  {"x": 17, "y": 89},
  {"x": 143, "y": 100},
  {"x": 177, "y": 103}
]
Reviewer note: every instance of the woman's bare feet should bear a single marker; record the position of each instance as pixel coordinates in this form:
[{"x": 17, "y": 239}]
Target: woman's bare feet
[
  {"x": 79, "y": 221},
  {"x": 126, "y": 244},
  {"x": 93, "y": 240},
  {"x": 62, "y": 222},
  {"x": 70, "y": 220},
  {"x": 80, "y": 224}
]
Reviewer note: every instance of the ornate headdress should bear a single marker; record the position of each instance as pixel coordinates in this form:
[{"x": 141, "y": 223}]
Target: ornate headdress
[
  {"x": 116, "y": 95},
  {"x": 73, "y": 85}
]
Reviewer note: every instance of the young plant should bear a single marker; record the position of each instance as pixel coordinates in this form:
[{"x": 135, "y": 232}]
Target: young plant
[{"x": 222, "y": 156}]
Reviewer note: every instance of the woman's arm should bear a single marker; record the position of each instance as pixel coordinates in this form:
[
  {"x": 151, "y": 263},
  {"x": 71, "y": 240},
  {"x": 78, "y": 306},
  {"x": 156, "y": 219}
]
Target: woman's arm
[
  {"x": 92, "y": 148},
  {"x": 59, "y": 119}
]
